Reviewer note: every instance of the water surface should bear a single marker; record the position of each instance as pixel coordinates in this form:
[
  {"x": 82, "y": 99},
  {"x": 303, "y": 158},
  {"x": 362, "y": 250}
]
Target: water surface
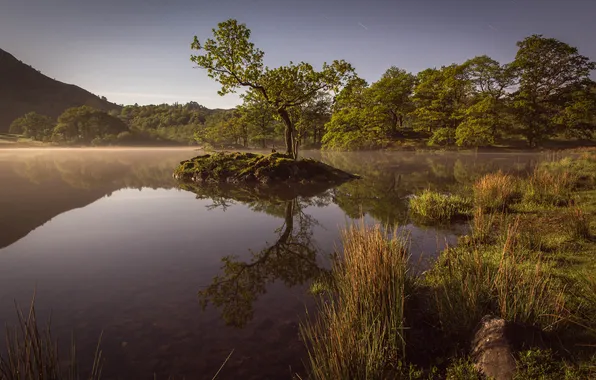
[{"x": 111, "y": 243}]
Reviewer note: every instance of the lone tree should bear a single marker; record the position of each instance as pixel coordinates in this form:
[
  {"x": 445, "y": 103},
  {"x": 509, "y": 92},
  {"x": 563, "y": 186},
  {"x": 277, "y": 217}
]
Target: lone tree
[{"x": 231, "y": 59}]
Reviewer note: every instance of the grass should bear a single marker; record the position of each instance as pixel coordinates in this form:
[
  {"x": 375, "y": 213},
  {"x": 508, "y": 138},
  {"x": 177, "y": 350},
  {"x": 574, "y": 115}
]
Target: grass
[
  {"x": 32, "y": 353},
  {"x": 433, "y": 207},
  {"x": 504, "y": 280},
  {"x": 528, "y": 258},
  {"x": 495, "y": 191},
  {"x": 358, "y": 333},
  {"x": 548, "y": 188}
]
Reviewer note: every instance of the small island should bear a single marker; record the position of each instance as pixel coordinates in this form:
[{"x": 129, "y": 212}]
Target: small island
[{"x": 259, "y": 169}]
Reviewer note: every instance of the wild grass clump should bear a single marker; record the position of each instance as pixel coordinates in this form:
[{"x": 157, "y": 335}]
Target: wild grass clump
[
  {"x": 578, "y": 224},
  {"x": 503, "y": 280},
  {"x": 434, "y": 207},
  {"x": 546, "y": 188},
  {"x": 358, "y": 333},
  {"x": 583, "y": 168},
  {"x": 495, "y": 191},
  {"x": 484, "y": 227},
  {"x": 32, "y": 354}
]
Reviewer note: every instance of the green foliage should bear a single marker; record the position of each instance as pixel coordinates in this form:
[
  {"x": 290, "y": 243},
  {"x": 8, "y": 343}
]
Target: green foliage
[
  {"x": 433, "y": 207},
  {"x": 547, "y": 69},
  {"x": 84, "y": 124},
  {"x": 544, "y": 365},
  {"x": 33, "y": 125},
  {"x": 232, "y": 60},
  {"x": 391, "y": 98},
  {"x": 440, "y": 99}
]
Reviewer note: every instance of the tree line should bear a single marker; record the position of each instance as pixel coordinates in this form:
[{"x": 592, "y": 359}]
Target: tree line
[{"x": 545, "y": 92}]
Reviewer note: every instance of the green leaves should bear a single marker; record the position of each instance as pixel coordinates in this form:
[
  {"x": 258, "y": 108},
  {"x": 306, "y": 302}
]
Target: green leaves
[
  {"x": 33, "y": 125},
  {"x": 231, "y": 59},
  {"x": 547, "y": 69}
]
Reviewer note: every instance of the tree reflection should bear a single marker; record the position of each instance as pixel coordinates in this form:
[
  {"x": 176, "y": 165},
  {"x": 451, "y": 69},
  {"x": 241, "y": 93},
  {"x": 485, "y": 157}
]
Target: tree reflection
[{"x": 291, "y": 258}]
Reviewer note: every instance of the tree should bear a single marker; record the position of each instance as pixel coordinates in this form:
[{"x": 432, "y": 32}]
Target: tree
[
  {"x": 578, "y": 117},
  {"x": 547, "y": 70},
  {"x": 312, "y": 117},
  {"x": 392, "y": 96},
  {"x": 231, "y": 59},
  {"x": 440, "y": 99},
  {"x": 33, "y": 125},
  {"x": 260, "y": 120},
  {"x": 486, "y": 115},
  {"x": 84, "y": 124},
  {"x": 353, "y": 124}
]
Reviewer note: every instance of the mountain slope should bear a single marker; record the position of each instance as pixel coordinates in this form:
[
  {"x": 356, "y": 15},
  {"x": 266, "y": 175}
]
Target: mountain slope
[{"x": 24, "y": 89}]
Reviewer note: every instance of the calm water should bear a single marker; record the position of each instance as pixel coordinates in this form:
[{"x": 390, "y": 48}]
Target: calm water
[{"x": 110, "y": 243}]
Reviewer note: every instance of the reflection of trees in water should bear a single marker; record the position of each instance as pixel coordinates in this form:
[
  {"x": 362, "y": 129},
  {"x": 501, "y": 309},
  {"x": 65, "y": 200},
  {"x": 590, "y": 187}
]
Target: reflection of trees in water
[
  {"x": 89, "y": 170},
  {"x": 389, "y": 178},
  {"x": 291, "y": 258}
]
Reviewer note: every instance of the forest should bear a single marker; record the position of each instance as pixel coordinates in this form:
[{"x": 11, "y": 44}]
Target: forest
[{"x": 546, "y": 93}]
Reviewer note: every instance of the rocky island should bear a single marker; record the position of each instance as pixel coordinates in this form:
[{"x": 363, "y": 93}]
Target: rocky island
[{"x": 258, "y": 169}]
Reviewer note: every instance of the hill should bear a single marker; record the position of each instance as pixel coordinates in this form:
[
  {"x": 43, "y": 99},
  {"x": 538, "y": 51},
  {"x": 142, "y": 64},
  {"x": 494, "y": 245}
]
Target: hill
[{"x": 24, "y": 89}]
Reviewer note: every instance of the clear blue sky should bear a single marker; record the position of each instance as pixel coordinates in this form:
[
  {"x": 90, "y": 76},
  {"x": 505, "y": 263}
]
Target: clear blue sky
[{"x": 138, "y": 50}]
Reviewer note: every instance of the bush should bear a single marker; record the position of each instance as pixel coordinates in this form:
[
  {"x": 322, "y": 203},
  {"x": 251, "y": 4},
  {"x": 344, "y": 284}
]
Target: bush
[
  {"x": 433, "y": 207},
  {"x": 495, "y": 191},
  {"x": 359, "y": 330}
]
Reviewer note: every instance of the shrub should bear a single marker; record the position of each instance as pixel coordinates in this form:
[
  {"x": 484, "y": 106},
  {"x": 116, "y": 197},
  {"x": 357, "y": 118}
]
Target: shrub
[
  {"x": 495, "y": 191},
  {"x": 359, "y": 330},
  {"x": 433, "y": 207}
]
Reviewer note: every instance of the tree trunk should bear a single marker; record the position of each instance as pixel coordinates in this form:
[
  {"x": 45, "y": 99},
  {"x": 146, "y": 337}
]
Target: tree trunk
[{"x": 291, "y": 146}]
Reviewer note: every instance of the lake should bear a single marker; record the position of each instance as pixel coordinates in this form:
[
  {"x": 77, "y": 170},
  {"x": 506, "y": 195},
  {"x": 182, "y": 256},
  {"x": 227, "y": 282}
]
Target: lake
[{"x": 109, "y": 242}]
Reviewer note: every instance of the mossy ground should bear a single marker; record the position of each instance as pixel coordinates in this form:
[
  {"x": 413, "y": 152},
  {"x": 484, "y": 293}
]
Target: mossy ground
[{"x": 257, "y": 168}]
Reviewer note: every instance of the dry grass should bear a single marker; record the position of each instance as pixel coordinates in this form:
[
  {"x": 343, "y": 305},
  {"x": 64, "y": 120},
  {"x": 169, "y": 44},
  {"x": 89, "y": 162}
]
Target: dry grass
[
  {"x": 358, "y": 333},
  {"x": 578, "y": 224},
  {"x": 495, "y": 191},
  {"x": 470, "y": 282},
  {"x": 549, "y": 188},
  {"x": 32, "y": 354}
]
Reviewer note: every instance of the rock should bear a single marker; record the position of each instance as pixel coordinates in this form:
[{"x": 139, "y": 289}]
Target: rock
[{"x": 492, "y": 351}]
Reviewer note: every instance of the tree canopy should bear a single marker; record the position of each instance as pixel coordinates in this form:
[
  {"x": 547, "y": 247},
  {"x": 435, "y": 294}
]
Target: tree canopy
[{"x": 231, "y": 59}]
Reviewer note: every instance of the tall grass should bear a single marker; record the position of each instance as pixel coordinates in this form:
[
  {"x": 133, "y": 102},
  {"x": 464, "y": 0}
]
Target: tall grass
[
  {"x": 504, "y": 280},
  {"x": 433, "y": 207},
  {"x": 495, "y": 191},
  {"x": 549, "y": 188},
  {"x": 578, "y": 224},
  {"x": 583, "y": 168},
  {"x": 358, "y": 333},
  {"x": 32, "y": 354}
]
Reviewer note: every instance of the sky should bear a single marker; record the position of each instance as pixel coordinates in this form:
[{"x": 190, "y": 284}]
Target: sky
[{"x": 138, "y": 51}]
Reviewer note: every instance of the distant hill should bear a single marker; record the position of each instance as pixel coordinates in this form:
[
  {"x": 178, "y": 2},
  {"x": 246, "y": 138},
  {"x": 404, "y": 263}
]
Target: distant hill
[{"x": 24, "y": 89}]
